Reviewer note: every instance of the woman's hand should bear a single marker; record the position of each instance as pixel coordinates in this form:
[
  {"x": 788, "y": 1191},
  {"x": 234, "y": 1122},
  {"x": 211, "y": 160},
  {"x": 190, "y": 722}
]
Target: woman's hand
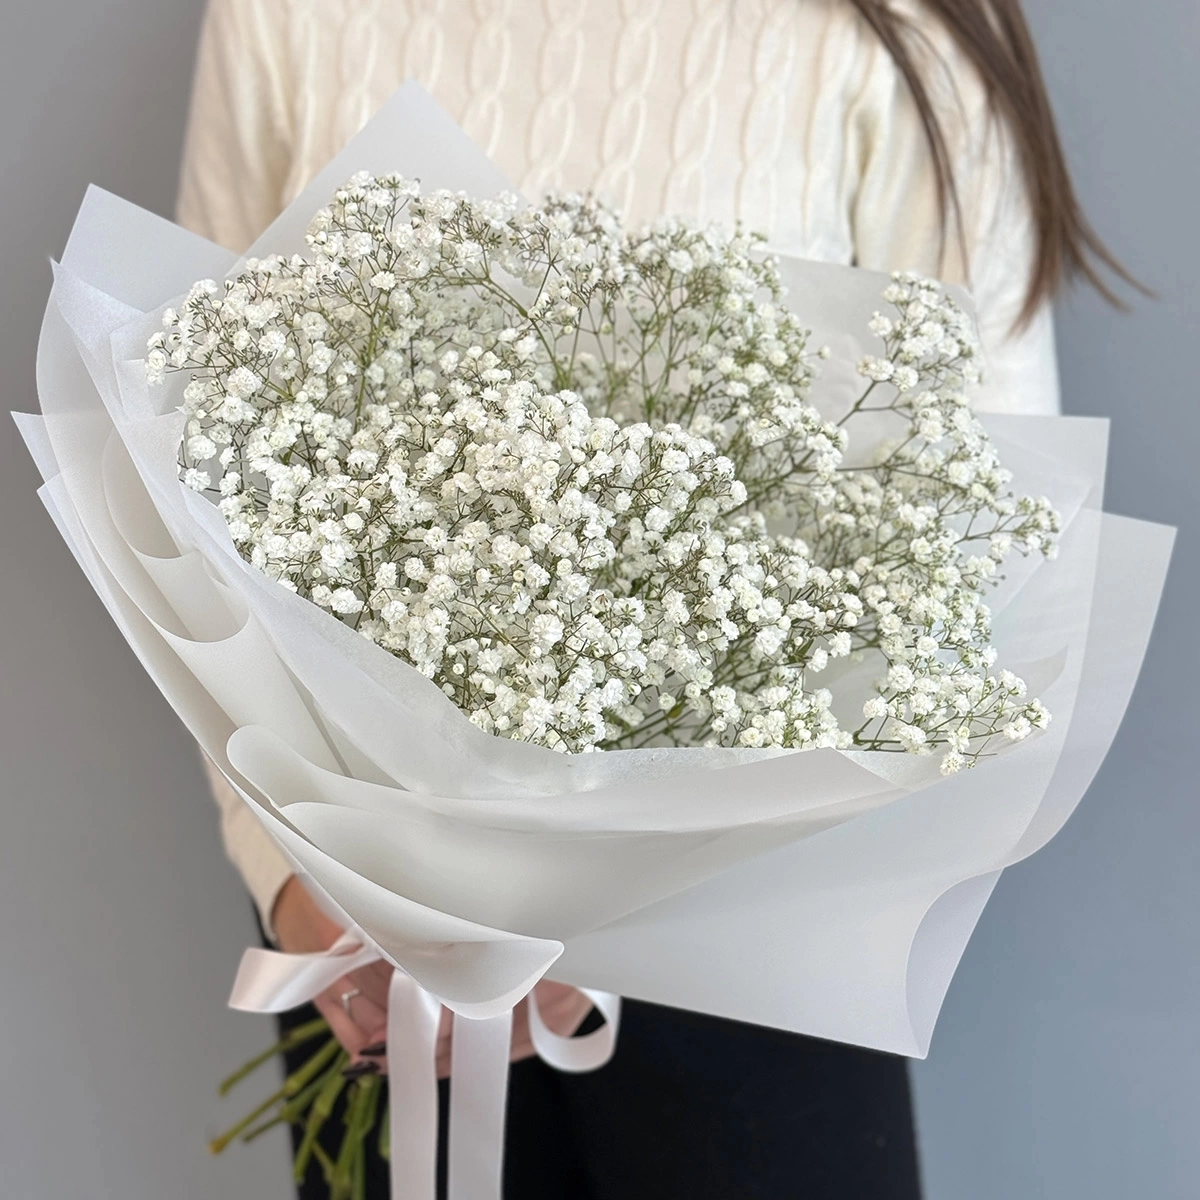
[
  {"x": 361, "y": 1024},
  {"x": 302, "y": 928}
]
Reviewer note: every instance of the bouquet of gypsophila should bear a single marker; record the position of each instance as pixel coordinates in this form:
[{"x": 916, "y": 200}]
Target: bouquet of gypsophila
[
  {"x": 572, "y": 473},
  {"x": 435, "y": 503}
]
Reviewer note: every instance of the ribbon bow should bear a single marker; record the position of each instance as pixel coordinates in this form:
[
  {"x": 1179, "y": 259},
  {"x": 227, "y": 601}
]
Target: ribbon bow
[{"x": 271, "y": 981}]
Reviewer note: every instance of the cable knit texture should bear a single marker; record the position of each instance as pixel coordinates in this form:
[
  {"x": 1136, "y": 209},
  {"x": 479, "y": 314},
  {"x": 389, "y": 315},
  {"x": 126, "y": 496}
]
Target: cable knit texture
[{"x": 785, "y": 114}]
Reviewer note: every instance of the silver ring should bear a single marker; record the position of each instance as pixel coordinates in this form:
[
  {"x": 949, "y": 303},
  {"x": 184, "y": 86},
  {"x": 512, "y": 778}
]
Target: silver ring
[{"x": 347, "y": 997}]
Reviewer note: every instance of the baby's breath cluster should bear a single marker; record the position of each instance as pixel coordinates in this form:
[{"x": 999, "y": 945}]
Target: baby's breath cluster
[{"x": 571, "y": 473}]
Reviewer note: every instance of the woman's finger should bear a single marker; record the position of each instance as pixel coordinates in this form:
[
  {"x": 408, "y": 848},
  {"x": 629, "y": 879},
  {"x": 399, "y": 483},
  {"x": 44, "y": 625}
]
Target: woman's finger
[
  {"x": 356, "y": 1002},
  {"x": 352, "y": 1037},
  {"x": 373, "y": 981},
  {"x": 352, "y": 1006}
]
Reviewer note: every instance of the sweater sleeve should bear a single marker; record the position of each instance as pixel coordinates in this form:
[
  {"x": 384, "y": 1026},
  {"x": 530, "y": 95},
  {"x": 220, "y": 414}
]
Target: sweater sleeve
[
  {"x": 237, "y": 151},
  {"x": 235, "y": 160},
  {"x": 261, "y": 863},
  {"x": 896, "y": 220}
]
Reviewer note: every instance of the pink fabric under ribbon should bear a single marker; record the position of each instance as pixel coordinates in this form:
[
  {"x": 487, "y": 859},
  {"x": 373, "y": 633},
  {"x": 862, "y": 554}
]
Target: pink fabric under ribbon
[{"x": 270, "y": 981}]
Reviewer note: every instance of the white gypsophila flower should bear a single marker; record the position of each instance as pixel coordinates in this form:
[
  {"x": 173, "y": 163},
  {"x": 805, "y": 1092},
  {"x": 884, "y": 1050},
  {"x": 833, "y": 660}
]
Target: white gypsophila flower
[{"x": 571, "y": 473}]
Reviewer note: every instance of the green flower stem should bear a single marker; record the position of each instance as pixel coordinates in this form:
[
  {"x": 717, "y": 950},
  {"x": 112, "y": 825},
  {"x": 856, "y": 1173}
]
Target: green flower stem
[
  {"x": 360, "y": 1164},
  {"x": 322, "y": 1108},
  {"x": 295, "y": 1109},
  {"x": 357, "y": 1121},
  {"x": 325, "y": 1161},
  {"x": 294, "y": 1038},
  {"x": 360, "y": 1175},
  {"x": 339, "y": 1185},
  {"x": 219, "y": 1143},
  {"x": 252, "y": 1134},
  {"x": 302, "y": 1076},
  {"x": 385, "y": 1136},
  {"x": 292, "y": 1086}
]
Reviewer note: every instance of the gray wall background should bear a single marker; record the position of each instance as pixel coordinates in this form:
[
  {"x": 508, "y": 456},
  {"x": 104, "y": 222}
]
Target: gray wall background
[
  {"x": 120, "y": 923},
  {"x": 1067, "y": 1055},
  {"x": 1067, "y": 1060}
]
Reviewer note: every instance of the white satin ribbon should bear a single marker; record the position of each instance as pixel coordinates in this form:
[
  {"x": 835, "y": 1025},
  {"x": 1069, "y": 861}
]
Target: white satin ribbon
[
  {"x": 577, "y": 1054},
  {"x": 271, "y": 981}
]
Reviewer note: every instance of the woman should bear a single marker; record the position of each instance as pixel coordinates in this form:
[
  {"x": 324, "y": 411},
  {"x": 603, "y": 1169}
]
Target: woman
[{"x": 909, "y": 136}]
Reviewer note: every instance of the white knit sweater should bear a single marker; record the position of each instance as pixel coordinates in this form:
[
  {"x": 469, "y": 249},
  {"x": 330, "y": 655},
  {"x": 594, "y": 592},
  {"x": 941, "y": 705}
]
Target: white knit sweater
[{"x": 787, "y": 114}]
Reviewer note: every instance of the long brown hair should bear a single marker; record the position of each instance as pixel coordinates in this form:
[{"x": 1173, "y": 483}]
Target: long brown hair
[{"x": 995, "y": 39}]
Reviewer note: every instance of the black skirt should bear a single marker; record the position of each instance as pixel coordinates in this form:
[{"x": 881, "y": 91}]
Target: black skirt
[{"x": 697, "y": 1108}]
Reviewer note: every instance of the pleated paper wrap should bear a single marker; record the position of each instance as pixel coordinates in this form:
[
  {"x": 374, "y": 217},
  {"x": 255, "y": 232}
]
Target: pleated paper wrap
[{"x": 826, "y": 892}]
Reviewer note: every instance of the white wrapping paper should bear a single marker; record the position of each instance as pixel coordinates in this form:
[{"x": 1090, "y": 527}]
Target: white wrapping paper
[{"x": 825, "y": 892}]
